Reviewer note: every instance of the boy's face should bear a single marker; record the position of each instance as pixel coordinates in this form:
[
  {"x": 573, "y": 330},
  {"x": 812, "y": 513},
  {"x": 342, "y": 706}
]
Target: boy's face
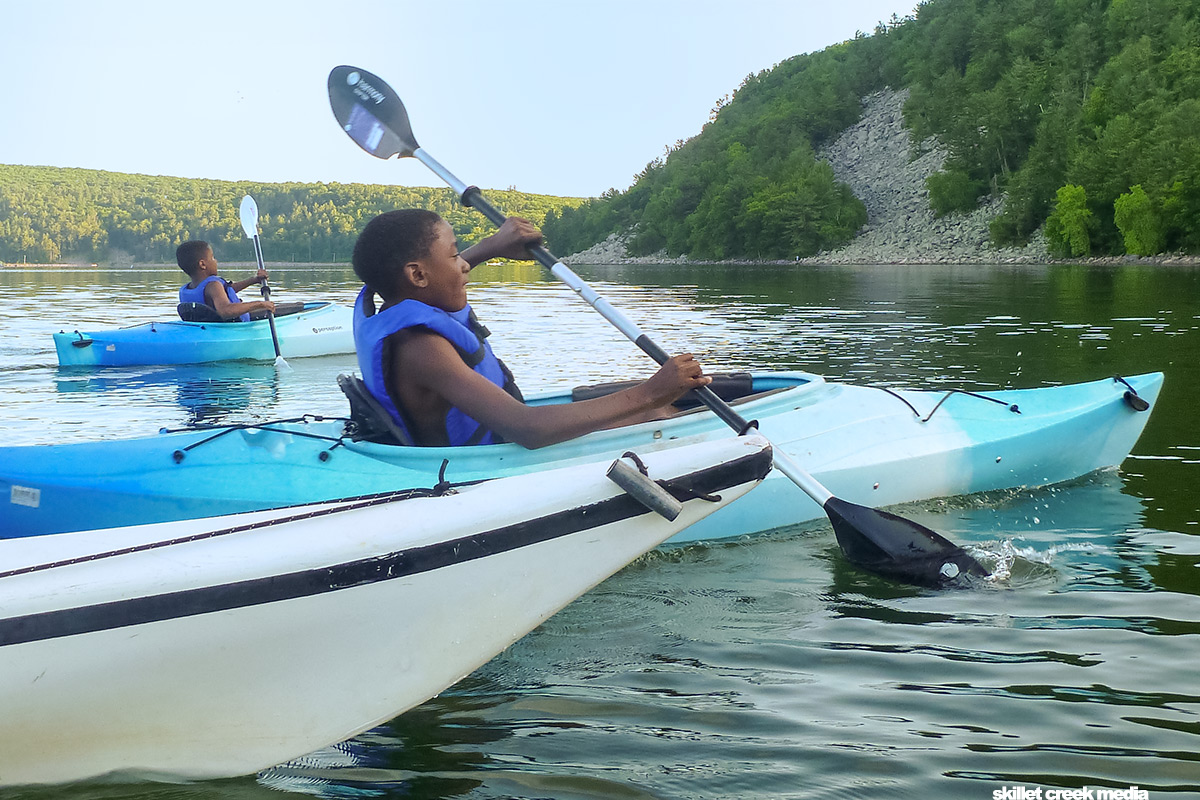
[
  {"x": 208, "y": 264},
  {"x": 441, "y": 276}
]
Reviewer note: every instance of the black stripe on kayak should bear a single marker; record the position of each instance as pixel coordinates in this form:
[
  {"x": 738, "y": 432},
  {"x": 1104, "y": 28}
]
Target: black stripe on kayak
[
  {"x": 277, "y": 588},
  {"x": 304, "y": 511}
]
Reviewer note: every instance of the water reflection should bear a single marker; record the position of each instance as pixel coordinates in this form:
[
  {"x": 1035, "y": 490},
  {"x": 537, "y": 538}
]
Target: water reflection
[
  {"x": 435, "y": 750},
  {"x": 208, "y": 393},
  {"x": 764, "y": 667}
]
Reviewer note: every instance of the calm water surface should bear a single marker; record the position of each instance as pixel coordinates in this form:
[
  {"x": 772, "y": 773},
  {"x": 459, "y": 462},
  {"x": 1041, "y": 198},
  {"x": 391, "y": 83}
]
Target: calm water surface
[{"x": 764, "y": 667}]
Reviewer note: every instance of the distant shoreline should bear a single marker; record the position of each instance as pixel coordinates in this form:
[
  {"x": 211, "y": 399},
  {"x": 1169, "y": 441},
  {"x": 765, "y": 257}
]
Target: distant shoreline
[
  {"x": 611, "y": 253},
  {"x": 141, "y": 264},
  {"x": 1107, "y": 261},
  {"x": 1162, "y": 260},
  {"x": 29, "y": 264}
]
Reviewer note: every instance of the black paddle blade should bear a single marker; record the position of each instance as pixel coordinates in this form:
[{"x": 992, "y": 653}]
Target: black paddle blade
[
  {"x": 370, "y": 113},
  {"x": 896, "y": 547}
]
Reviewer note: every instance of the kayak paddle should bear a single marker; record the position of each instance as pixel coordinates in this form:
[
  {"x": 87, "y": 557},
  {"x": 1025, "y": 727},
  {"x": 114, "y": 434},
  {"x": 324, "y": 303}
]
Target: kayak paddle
[
  {"x": 249, "y": 214},
  {"x": 372, "y": 114}
]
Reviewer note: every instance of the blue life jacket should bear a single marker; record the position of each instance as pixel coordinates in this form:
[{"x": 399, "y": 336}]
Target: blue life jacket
[
  {"x": 190, "y": 295},
  {"x": 460, "y": 328}
]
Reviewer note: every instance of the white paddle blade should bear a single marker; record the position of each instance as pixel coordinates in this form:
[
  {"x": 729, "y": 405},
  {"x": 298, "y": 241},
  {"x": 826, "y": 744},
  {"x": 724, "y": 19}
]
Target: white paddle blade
[{"x": 249, "y": 214}]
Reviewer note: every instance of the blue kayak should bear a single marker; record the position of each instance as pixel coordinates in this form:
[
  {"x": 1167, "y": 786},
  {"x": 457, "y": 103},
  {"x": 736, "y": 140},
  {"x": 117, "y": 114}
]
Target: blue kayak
[
  {"x": 317, "y": 329},
  {"x": 872, "y": 446}
]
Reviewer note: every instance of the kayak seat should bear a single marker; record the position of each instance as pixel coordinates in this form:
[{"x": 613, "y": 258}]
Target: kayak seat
[
  {"x": 729, "y": 386},
  {"x": 197, "y": 312},
  {"x": 369, "y": 420}
]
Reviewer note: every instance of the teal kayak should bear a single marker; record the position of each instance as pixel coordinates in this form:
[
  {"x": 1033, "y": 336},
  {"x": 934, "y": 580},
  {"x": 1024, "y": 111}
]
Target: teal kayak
[
  {"x": 868, "y": 445},
  {"x": 316, "y": 329}
]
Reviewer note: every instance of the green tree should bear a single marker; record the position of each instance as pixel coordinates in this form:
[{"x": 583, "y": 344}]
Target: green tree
[
  {"x": 1068, "y": 227},
  {"x": 1139, "y": 222},
  {"x": 953, "y": 190}
]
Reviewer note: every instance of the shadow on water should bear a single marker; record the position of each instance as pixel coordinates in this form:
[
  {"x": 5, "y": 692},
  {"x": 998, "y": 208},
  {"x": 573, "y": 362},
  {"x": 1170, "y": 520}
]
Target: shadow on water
[
  {"x": 442, "y": 749},
  {"x": 435, "y": 750}
]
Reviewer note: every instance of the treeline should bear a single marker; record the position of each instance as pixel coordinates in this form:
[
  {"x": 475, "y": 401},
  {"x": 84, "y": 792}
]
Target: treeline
[
  {"x": 50, "y": 214},
  {"x": 749, "y": 184},
  {"x": 1083, "y": 114}
]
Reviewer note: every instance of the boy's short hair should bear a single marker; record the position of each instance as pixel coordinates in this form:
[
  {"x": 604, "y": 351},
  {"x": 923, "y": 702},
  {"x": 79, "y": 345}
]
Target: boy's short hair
[
  {"x": 389, "y": 241},
  {"x": 188, "y": 255}
]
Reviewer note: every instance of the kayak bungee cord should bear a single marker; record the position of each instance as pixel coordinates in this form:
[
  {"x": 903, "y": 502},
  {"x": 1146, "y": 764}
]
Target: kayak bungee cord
[
  {"x": 949, "y": 393},
  {"x": 1131, "y": 397},
  {"x": 338, "y": 441}
]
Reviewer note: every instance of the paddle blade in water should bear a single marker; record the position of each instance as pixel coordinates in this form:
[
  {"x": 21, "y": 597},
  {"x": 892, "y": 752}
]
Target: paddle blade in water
[
  {"x": 896, "y": 547},
  {"x": 370, "y": 113}
]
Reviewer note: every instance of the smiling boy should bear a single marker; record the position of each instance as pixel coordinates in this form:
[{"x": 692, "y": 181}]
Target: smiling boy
[{"x": 426, "y": 358}]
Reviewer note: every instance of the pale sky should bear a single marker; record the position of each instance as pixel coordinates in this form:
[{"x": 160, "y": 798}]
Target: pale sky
[{"x": 550, "y": 96}]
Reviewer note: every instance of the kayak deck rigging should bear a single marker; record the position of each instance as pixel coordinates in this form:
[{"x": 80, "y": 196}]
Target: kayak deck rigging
[
  {"x": 871, "y": 446},
  {"x": 362, "y": 424}
]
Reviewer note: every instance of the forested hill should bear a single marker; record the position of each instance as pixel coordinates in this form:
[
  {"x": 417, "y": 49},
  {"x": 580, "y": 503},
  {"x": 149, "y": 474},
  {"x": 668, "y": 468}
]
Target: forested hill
[
  {"x": 1084, "y": 115},
  {"x": 49, "y": 214}
]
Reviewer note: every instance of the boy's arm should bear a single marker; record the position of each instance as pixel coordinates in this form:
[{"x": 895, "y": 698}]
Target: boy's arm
[
  {"x": 215, "y": 294},
  {"x": 431, "y": 362},
  {"x": 243, "y": 284}
]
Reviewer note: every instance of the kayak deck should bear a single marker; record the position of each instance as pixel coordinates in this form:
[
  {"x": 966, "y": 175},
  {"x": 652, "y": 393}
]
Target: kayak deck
[{"x": 867, "y": 445}]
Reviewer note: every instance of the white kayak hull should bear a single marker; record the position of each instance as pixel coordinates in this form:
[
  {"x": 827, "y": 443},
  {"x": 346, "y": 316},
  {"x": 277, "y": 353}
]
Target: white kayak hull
[{"x": 219, "y": 647}]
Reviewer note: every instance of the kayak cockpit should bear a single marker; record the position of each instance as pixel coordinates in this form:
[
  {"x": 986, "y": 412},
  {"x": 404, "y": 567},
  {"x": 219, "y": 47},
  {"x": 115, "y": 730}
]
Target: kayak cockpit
[
  {"x": 200, "y": 312},
  {"x": 370, "y": 422}
]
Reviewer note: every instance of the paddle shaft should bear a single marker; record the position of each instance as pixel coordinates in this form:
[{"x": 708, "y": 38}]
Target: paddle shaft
[
  {"x": 471, "y": 196},
  {"x": 266, "y": 295}
]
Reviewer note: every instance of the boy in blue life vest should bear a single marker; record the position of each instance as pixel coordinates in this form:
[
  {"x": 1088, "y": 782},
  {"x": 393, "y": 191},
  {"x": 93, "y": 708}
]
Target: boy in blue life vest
[
  {"x": 196, "y": 259},
  {"x": 426, "y": 359}
]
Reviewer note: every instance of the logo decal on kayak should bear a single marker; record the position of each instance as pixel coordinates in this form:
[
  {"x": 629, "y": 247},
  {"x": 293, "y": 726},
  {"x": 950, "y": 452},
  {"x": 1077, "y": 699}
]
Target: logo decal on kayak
[
  {"x": 327, "y": 329},
  {"x": 25, "y": 496}
]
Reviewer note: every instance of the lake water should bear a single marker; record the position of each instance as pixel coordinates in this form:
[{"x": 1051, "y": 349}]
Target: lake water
[{"x": 765, "y": 667}]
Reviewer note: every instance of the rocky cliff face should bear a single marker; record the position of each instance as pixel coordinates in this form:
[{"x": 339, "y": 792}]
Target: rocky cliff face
[
  {"x": 877, "y": 160},
  {"x": 875, "y": 157}
]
